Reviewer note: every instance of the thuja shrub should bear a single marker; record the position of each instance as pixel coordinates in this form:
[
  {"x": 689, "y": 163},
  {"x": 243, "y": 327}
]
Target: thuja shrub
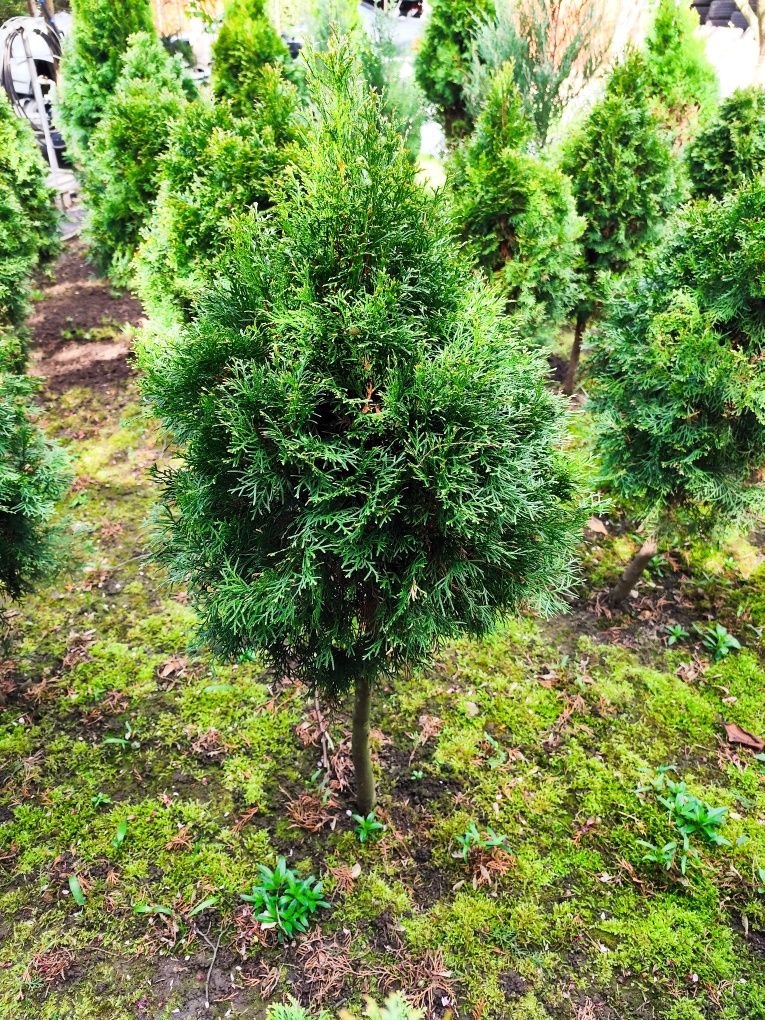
[
  {"x": 92, "y": 62},
  {"x": 28, "y": 217},
  {"x": 369, "y": 459},
  {"x": 680, "y": 75},
  {"x": 677, "y": 380},
  {"x": 217, "y": 167},
  {"x": 120, "y": 178},
  {"x": 624, "y": 180},
  {"x": 382, "y": 64},
  {"x": 246, "y": 42},
  {"x": 33, "y": 477},
  {"x": 517, "y": 212},
  {"x": 731, "y": 148},
  {"x": 443, "y": 59}
]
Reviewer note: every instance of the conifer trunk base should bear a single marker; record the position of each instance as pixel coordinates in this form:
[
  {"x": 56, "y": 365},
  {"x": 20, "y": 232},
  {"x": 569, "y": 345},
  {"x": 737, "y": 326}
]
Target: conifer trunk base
[
  {"x": 366, "y": 796},
  {"x": 633, "y": 572},
  {"x": 576, "y": 352}
]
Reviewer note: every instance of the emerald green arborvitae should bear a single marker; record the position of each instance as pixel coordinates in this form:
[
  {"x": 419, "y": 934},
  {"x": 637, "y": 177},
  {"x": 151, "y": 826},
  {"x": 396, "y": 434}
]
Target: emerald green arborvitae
[
  {"x": 624, "y": 180},
  {"x": 679, "y": 74},
  {"x": 443, "y": 59},
  {"x": 246, "y": 42},
  {"x": 28, "y": 216},
  {"x": 370, "y": 459},
  {"x": 120, "y": 178},
  {"x": 217, "y": 166},
  {"x": 677, "y": 377},
  {"x": 92, "y": 62},
  {"x": 517, "y": 212},
  {"x": 731, "y": 148}
]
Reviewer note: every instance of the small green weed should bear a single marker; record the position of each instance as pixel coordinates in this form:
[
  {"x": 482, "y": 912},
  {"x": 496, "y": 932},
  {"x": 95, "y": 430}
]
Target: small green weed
[
  {"x": 367, "y": 827},
  {"x": 676, "y": 633},
  {"x": 283, "y": 901},
  {"x": 473, "y": 838},
  {"x": 719, "y": 642}
]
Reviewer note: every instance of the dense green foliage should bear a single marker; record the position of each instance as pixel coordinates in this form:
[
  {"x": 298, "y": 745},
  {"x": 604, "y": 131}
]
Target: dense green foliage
[
  {"x": 92, "y": 62},
  {"x": 517, "y": 211},
  {"x": 679, "y": 72},
  {"x": 120, "y": 178},
  {"x": 32, "y": 479},
  {"x": 731, "y": 147},
  {"x": 554, "y": 48},
  {"x": 216, "y": 167},
  {"x": 246, "y": 42},
  {"x": 443, "y": 59},
  {"x": 402, "y": 100},
  {"x": 623, "y": 177},
  {"x": 679, "y": 375},
  {"x": 12, "y": 9},
  {"x": 28, "y": 217},
  {"x": 370, "y": 457}
]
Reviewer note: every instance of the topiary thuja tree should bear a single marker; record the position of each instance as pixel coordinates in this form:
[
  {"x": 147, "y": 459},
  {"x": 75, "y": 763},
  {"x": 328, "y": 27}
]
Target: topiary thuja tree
[
  {"x": 731, "y": 148},
  {"x": 216, "y": 167},
  {"x": 517, "y": 212},
  {"x": 92, "y": 62},
  {"x": 625, "y": 185},
  {"x": 246, "y": 42},
  {"x": 28, "y": 216},
  {"x": 677, "y": 380},
  {"x": 679, "y": 74},
  {"x": 443, "y": 60},
  {"x": 120, "y": 178},
  {"x": 370, "y": 459},
  {"x": 33, "y": 477}
]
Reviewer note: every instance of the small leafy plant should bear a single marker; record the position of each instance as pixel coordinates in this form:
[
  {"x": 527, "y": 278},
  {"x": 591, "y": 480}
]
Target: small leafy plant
[
  {"x": 283, "y": 901},
  {"x": 675, "y": 633},
  {"x": 367, "y": 826},
  {"x": 473, "y": 838},
  {"x": 719, "y": 642},
  {"x": 692, "y": 816}
]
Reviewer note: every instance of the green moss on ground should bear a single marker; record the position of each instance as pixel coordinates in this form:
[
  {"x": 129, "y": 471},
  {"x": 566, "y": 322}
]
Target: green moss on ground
[{"x": 160, "y": 779}]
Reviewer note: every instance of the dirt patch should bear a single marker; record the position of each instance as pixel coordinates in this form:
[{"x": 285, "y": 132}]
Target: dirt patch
[{"x": 78, "y": 327}]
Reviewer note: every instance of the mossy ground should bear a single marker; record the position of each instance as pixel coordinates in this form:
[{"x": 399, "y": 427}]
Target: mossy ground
[{"x": 159, "y": 779}]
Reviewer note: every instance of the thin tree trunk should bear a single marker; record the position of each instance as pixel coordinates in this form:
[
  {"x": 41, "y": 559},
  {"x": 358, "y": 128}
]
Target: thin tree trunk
[
  {"x": 576, "y": 352},
  {"x": 633, "y": 572},
  {"x": 366, "y": 797}
]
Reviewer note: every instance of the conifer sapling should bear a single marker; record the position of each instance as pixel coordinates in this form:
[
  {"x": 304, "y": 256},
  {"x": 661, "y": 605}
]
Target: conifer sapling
[
  {"x": 731, "y": 147},
  {"x": 678, "y": 380},
  {"x": 92, "y": 62},
  {"x": 518, "y": 212},
  {"x": 370, "y": 459},
  {"x": 621, "y": 168}
]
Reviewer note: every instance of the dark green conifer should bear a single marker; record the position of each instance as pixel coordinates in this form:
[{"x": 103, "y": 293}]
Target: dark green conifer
[
  {"x": 443, "y": 59},
  {"x": 28, "y": 217},
  {"x": 370, "y": 459},
  {"x": 624, "y": 181},
  {"x": 731, "y": 148},
  {"x": 677, "y": 379},
  {"x": 33, "y": 477},
  {"x": 517, "y": 211}
]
